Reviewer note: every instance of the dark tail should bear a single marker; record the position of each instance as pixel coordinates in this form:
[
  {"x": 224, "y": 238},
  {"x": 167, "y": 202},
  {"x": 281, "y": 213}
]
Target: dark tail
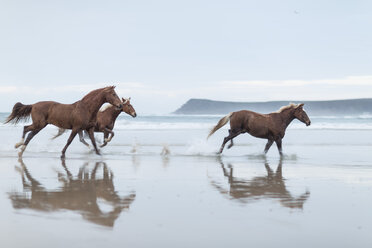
[{"x": 19, "y": 112}]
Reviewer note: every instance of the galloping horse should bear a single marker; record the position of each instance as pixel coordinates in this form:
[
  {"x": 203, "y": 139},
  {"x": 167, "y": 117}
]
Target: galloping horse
[
  {"x": 78, "y": 116},
  {"x": 106, "y": 121},
  {"x": 266, "y": 126}
]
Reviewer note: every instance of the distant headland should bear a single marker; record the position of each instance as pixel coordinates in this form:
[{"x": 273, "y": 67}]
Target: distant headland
[{"x": 333, "y": 107}]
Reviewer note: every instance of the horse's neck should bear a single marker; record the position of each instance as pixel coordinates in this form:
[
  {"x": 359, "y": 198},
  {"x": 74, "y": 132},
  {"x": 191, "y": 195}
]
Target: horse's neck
[
  {"x": 112, "y": 113},
  {"x": 287, "y": 117},
  {"x": 94, "y": 103}
]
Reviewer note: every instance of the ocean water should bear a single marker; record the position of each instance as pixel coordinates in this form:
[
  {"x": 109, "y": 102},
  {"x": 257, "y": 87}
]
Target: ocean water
[
  {"x": 152, "y": 135},
  {"x": 185, "y": 135}
]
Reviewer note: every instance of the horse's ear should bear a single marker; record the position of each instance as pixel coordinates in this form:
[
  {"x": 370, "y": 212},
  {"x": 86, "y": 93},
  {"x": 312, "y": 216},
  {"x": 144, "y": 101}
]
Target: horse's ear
[
  {"x": 108, "y": 88},
  {"x": 300, "y": 105}
]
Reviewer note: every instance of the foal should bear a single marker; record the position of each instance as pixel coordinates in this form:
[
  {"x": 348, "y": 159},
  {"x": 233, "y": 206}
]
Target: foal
[
  {"x": 106, "y": 121},
  {"x": 78, "y": 116},
  {"x": 266, "y": 126}
]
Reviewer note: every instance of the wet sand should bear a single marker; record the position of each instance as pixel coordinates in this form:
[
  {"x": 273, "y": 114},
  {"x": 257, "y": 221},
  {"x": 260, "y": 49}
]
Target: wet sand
[
  {"x": 318, "y": 195},
  {"x": 152, "y": 201}
]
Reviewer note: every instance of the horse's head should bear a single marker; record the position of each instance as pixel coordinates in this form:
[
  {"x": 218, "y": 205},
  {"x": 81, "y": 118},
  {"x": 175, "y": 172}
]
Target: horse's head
[
  {"x": 301, "y": 115},
  {"x": 128, "y": 108},
  {"x": 112, "y": 97}
]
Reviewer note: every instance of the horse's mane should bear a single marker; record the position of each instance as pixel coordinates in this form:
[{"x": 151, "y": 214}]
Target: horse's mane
[
  {"x": 291, "y": 105},
  {"x": 93, "y": 93},
  {"x": 106, "y": 106}
]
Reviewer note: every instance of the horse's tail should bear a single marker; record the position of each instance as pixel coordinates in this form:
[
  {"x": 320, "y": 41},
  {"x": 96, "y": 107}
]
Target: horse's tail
[
  {"x": 220, "y": 124},
  {"x": 60, "y": 132},
  {"x": 19, "y": 112}
]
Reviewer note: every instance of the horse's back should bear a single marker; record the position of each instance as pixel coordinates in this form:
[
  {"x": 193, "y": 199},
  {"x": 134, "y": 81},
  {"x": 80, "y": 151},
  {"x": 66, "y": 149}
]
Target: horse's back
[
  {"x": 43, "y": 106},
  {"x": 247, "y": 116},
  {"x": 252, "y": 122},
  {"x": 52, "y": 112}
]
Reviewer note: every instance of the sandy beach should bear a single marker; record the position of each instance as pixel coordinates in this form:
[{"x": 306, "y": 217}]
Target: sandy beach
[{"x": 318, "y": 195}]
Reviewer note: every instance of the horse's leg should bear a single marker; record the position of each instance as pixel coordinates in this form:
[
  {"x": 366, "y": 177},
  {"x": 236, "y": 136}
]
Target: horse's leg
[
  {"x": 231, "y": 142},
  {"x": 268, "y": 145},
  {"x": 279, "y": 145},
  {"x": 81, "y": 138},
  {"x": 105, "y": 136},
  {"x": 60, "y": 132},
  {"x": 230, "y": 137},
  {"x": 91, "y": 136},
  {"x": 29, "y": 137},
  {"x": 25, "y": 130},
  {"x": 70, "y": 139},
  {"x": 111, "y": 132},
  {"x": 106, "y": 133}
]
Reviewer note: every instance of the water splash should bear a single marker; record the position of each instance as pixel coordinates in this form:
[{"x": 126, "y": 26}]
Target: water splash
[{"x": 201, "y": 147}]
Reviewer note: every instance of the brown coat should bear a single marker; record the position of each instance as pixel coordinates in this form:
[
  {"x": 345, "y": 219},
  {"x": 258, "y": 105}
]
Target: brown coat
[{"x": 266, "y": 126}]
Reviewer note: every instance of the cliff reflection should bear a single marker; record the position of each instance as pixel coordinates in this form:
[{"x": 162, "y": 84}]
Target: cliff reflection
[
  {"x": 271, "y": 186},
  {"x": 82, "y": 194}
]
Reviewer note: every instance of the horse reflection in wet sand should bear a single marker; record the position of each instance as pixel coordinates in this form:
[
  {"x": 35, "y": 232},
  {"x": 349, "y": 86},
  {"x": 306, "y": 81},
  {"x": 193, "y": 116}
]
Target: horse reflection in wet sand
[
  {"x": 270, "y": 186},
  {"x": 266, "y": 126},
  {"x": 76, "y": 194},
  {"x": 106, "y": 121},
  {"x": 78, "y": 116}
]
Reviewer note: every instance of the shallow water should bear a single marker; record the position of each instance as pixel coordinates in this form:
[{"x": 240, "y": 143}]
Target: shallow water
[
  {"x": 318, "y": 195},
  {"x": 147, "y": 201}
]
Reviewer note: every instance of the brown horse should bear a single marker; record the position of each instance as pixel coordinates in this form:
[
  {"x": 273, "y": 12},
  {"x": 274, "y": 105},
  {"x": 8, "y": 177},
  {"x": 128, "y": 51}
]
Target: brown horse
[
  {"x": 266, "y": 126},
  {"x": 78, "y": 116},
  {"x": 106, "y": 121}
]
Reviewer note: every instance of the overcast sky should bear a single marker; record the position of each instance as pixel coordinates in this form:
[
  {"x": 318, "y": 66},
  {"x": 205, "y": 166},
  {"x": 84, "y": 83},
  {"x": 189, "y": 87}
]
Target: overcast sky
[{"x": 162, "y": 53}]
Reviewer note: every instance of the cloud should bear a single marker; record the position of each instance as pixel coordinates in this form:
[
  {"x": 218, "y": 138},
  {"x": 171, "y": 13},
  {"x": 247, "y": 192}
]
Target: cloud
[
  {"x": 150, "y": 97},
  {"x": 351, "y": 81},
  {"x": 8, "y": 89}
]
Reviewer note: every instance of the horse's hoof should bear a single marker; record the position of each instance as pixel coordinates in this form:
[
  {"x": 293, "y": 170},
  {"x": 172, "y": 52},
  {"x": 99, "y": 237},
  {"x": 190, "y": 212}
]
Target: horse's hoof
[
  {"x": 104, "y": 144},
  {"x": 18, "y": 145}
]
